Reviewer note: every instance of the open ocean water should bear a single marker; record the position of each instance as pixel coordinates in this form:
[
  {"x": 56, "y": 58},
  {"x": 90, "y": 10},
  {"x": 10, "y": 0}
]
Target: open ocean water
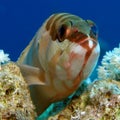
[{"x": 20, "y": 19}]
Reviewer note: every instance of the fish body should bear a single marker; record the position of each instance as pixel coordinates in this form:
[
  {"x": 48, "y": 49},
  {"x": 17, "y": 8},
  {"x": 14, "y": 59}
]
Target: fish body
[{"x": 63, "y": 52}]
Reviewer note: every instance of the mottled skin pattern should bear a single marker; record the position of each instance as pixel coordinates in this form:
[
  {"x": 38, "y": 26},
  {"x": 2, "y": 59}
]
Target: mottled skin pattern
[{"x": 63, "y": 52}]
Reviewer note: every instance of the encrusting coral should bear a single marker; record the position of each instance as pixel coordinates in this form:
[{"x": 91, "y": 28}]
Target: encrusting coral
[{"x": 15, "y": 102}]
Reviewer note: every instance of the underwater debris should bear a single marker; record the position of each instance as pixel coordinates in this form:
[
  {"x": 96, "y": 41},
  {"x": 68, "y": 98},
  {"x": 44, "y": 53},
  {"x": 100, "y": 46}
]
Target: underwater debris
[
  {"x": 3, "y": 57},
  {"x": 101, "y": 101},
  {"x": 110, "y": 68},
  {"x": 15, "y": 102}
]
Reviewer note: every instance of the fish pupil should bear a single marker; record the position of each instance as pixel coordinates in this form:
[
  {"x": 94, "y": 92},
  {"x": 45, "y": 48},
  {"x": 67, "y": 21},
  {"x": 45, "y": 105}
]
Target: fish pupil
[{"x": 61, "y": 33}]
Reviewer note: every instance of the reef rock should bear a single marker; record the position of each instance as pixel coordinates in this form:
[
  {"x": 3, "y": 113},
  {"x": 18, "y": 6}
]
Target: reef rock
[
  {"x": 15, "y": 101},
  {"x": 101, "y": 101}
]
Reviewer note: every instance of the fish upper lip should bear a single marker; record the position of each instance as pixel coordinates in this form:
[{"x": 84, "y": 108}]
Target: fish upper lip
[{"x": 87, "y": 39}]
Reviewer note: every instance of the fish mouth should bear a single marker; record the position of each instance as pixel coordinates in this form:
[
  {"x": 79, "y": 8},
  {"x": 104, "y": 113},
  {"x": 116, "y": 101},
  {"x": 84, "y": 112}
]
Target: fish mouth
[
  {"x": 83, "y": 39},
  {"x": 90, "y": 42}
]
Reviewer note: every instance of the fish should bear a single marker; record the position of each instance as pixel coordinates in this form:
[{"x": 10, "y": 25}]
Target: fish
[{"x": 62, "y": 54}]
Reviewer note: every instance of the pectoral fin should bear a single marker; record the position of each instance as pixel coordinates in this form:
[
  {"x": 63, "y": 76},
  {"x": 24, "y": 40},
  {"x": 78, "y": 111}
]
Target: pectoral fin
[
  {"x": 35, "y": 79},
  {"x": 32, "y": 75}
]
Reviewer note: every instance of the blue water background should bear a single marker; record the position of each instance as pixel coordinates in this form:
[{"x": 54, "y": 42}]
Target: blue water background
[{"x": 20, "y": 19}]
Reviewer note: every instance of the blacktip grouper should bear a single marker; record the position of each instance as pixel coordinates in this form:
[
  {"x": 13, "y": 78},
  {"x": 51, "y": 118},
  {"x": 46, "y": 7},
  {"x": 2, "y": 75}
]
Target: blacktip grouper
[{"x": 63, "y": 52}]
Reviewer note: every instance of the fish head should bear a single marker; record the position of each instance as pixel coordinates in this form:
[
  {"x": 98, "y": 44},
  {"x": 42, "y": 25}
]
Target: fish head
[{"x": 68, "y": 47}]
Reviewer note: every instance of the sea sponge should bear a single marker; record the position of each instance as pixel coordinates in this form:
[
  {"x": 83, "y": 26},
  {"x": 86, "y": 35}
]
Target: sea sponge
[
  {"x": 110, "y": 68},
  {"x": 15, "y": 101}
]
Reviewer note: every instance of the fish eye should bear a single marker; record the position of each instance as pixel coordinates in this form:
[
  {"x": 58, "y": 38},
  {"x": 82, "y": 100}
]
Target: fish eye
[{"x": 61, "y": 32}]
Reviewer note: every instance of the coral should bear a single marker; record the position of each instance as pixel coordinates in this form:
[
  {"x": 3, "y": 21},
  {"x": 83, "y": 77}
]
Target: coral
[
  {"x": 15, "y": 102},
  {"x": 110, "y": 68},
  {"x": 3, "y": 57},
  {"x": 101, "y": 101}
]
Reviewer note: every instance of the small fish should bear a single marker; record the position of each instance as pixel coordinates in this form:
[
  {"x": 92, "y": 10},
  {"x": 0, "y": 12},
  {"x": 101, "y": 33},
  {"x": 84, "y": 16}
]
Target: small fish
[{"x": 63, "y": 52}]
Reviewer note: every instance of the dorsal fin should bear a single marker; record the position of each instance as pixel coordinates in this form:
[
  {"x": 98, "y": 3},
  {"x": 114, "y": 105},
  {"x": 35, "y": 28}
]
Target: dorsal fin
[{"x": 25, "y": 51}]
